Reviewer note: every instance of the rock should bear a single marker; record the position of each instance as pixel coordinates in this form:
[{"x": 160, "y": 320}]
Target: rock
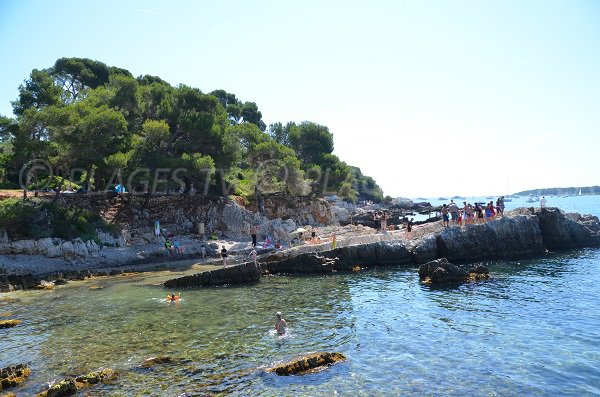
[
  {"x": 441, "y": 271},
  {"x": 303, "y": 263},
  {"x": 308, "y": 364},
  {"x": 13, "y": 376},
  {"x": 248, "y": 272},
  {"x": 9, "y": 323},
  {"x": 152, "y": 361},
  {"x": 107, "y": 239},
  {"x": 65, "y": 387},
  {"x": 479, "y": 269},
  {"x": 85, "y": 381},
  {"x": 508, "y": 237},
  {"x": 45, "y": 285},
  {"x": 70, "y": 386},
  {"x": 425, "y": 250},
  {"x": 560, "y": 232}
]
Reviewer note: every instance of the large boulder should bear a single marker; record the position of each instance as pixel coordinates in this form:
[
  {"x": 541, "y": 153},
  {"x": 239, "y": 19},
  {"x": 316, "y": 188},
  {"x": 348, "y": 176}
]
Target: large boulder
[
  {"x": 308, "y": 364},
  {"x": 507, "y": 237},
  {"x": 561, "y": 232},
  {"x": 376, "y": 253},
  {"x": 425, "y": 249},
  {"x": 441, "y": 271}
]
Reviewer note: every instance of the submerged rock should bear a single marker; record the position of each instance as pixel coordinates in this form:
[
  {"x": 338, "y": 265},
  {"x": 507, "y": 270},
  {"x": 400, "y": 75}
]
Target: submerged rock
[
  {"x": 13, "y": 376},
  {"x": 9, "y": 323},
  {"x": 308, "y": 363},
  {"x": 70, "y": 386},
  {"x": 152, "y": 361}
]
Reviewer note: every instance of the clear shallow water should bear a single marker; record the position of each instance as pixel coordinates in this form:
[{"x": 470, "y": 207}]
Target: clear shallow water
[{"x": 533, "y": 330}]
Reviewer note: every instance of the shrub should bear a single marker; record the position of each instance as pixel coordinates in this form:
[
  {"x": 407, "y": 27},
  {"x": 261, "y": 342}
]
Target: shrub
[{"x": 37, "y": 219}]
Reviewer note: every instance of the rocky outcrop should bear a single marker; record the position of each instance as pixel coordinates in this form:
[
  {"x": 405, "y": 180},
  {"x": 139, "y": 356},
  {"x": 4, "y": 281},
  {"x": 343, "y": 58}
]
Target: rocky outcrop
[
  {"x": 9, "y": 323},
  {"x": 560, "y": 231},
  {"x": 70, "y": 386},
  {"x": 308, "y": 364},
  {"x": 303, "y": 263},
  {"x": 508, "y": 237},
  {"x": 13, "y": 376},
  {"x": 377, "y": 253},
  {"x": 237, "y": 274},
  {"x": 52, "y": 248},
  {"x": 440, "y": 271}
]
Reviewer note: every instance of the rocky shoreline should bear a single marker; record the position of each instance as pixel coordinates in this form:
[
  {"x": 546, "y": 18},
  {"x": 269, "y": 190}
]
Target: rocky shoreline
[{"x": 523, "y": 232}]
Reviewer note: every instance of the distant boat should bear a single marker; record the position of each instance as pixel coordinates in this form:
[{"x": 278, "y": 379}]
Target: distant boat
[
  {"x": 442, "y": 198},
  {"x": 507, "y": 199},
  {"x": 532, "y": 199},
  {"x": 579, "y": 194},
  {"x": 490, "y": 197},
  {"x": 458, "y": 198}
]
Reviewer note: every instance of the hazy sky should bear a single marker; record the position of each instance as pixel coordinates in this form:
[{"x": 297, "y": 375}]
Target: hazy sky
[{"x": 428, "y": 97}]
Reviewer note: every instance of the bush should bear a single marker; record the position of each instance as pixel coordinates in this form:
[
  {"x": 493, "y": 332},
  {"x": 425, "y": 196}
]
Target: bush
[{"x": 37, "y": 219}]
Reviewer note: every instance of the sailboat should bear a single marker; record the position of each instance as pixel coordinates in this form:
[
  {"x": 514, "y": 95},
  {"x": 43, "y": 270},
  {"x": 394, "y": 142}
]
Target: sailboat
[{"x": 579, "y": 194}]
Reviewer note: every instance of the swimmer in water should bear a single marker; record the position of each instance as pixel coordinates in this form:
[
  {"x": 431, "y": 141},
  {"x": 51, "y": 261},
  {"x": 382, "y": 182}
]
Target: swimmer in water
[
  {"x": 280, "y": 325},
  {"x": 172, "y": 297}
]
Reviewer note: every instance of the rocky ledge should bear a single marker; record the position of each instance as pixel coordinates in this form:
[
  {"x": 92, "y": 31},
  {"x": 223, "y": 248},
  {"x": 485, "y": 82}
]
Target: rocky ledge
[
  {"x": 239, "y": 274},
  {"x": 525, "y": 232}
]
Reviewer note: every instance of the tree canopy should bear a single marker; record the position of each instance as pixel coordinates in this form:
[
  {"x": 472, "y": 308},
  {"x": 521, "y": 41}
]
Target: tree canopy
[{"x": 99, "y": 120}]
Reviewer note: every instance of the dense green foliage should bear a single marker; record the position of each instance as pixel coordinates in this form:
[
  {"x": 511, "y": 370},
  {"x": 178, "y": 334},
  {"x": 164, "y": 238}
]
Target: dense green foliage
[
  {"x": 33, "y": 219},
  {"x": 99, "y": 126}
]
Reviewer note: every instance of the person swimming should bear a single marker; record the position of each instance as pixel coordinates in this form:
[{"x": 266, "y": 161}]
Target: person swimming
[
  {"x": 280, "y": 325},
  {"x": 172, "y": 297}
]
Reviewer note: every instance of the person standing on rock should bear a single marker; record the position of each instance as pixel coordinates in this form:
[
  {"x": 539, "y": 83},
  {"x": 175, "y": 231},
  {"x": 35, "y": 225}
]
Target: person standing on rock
[
  {"x": 203, "y": 251},
  {"x": 333, "y": 242},
  {"x": 445, "y": 218},
  {"x": 409, "y": 226},
  {"x": 280, "y": 324},
  {"x": 453, "y": 208},
  {"x": 543, "y": 202},
  {"x": 253, "y": 233},
  {"x": 224, "y": 255},
  {"x": 253, "y": 255},
  {"x": 157, "y": 229}
]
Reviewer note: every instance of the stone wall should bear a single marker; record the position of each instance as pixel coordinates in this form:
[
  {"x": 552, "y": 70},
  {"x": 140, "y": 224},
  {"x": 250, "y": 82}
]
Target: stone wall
[{"x": 182, "y": 214}]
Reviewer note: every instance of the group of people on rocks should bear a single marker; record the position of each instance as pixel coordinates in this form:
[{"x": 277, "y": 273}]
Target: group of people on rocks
[{"x": 471, "y": 213}]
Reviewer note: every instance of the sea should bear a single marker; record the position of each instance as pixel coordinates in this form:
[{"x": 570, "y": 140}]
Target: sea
[{"x": 532, "y": 330}]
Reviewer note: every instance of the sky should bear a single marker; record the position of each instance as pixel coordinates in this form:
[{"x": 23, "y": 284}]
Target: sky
[{"x": 430, "y": 98}]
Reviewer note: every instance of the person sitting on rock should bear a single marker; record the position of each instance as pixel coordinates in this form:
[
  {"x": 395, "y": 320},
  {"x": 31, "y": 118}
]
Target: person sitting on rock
[
  {"x": 280, "y": 324},
  {"x": 253, "y": 255},
  {"x": 169, "y": 247},
  {"x": 177, "y": 247}
]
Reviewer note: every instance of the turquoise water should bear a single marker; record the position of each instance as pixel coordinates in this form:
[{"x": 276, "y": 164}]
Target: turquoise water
[{"x": 532, "y": 330}]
